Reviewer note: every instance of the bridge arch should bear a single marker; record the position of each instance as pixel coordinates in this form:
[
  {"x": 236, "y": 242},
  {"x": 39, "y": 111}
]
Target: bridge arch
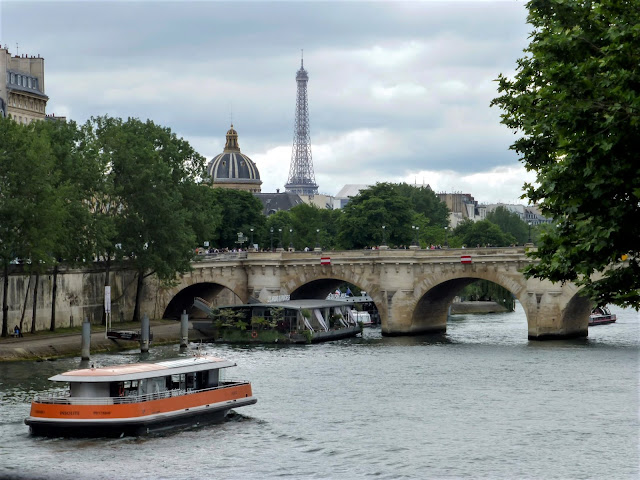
[
  {"x": 171, "y": 302},
  {"x": 426, "y": 310}
]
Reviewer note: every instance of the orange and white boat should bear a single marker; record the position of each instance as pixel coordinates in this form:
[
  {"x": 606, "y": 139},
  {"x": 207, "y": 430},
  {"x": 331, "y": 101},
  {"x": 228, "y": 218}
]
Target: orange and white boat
[{"x": 135, "y": 399}]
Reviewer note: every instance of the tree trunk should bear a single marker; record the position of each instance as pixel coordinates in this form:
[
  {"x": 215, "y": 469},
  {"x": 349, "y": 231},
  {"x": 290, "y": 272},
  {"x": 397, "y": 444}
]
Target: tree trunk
[
  {"x": 5, "y": 306},
  {"x": 24, "y": 307},
  {"x": 107, "y": 282},
  {"x": 35, "y": 305},
  {"x": 136, "y": 309},
  {"x": 54, "y": 293}
]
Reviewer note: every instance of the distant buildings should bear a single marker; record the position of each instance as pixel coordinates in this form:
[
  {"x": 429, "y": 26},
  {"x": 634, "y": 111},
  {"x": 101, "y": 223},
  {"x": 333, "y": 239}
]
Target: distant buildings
[
  {"x": 526, "y": 213},
  {"x": 462, "y": 207},
  {"x": 22, "y": 94}
]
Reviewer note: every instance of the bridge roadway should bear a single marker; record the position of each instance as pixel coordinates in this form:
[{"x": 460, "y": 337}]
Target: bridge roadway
[{"x": 412, "y": 289}]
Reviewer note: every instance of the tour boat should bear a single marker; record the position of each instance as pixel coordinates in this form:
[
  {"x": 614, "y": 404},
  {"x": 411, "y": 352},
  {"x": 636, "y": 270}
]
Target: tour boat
[
  {"x": 601, "y": 316},
  {"x": 137, "y": 398}
]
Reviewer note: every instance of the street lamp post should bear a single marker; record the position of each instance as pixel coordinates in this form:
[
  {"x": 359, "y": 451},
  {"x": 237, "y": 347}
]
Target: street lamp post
[
  {"x": 413, "y": 242},
  {"x": 271, "y": 230},
  {"x": 529, "y": 231},
  {"x": 317, "y": 238},
  {"x": 280, "y": 241},
  {"x": 291, "y": 239},
  {"x": 417, "y": 236},
  {"x": 251, "y": 229},
  {"x": 384, "y": 242},
  {"x": 446, "y": 239}
]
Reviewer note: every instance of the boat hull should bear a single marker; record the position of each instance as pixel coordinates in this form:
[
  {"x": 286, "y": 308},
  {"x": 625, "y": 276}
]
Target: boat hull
[
  {"x": 125, "y": 419},
  {"x": 604, "y": 320}
]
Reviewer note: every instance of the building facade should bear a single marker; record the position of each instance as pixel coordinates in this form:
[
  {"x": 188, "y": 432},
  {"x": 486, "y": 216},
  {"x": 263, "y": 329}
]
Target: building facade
[{"x": 22, "y": 94}]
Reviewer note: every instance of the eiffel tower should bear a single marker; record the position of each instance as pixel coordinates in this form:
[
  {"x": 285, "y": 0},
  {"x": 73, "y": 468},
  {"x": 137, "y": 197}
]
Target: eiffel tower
[{"x": 301, "y": 178}]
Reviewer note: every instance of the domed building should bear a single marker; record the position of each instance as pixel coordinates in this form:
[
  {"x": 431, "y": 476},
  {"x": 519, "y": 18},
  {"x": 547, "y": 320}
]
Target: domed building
[{"x": 232, "y": 169}]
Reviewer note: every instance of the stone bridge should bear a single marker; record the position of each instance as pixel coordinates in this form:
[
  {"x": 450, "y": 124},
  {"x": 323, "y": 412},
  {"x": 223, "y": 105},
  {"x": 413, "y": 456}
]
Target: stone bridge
[{"x": 412, "y": 289}]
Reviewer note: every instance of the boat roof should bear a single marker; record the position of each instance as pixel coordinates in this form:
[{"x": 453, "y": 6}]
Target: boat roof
[
  {"x": 138, "y": 371},
  {"x": 292, "y": 304}
]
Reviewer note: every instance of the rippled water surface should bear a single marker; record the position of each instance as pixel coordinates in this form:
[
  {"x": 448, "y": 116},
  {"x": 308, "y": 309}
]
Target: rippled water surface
[{"x": 479, "y": 402}]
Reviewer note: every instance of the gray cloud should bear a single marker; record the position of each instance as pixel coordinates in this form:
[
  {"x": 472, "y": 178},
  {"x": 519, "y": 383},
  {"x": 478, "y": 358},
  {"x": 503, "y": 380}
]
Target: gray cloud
[{"x": 419, "y": 74}]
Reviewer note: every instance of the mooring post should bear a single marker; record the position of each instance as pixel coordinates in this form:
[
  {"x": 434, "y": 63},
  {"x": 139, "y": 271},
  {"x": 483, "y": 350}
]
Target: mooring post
[
  {"x": 184, "y": 329},
  {"x": 86, "y": 339},
  {"x": 144, "y": 334}
]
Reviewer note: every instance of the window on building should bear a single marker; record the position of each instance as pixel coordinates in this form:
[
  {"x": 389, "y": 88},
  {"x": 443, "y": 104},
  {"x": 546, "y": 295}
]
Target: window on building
[
  {"x": 29, "y": 82},
  {"x": 19, "y": 79},
  {"x": 13, "y": 78}
]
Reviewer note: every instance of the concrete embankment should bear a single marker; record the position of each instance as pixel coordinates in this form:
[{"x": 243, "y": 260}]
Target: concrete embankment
[
  {"x": 43, "y": 347},
  {"x": 476, "y": 307}
]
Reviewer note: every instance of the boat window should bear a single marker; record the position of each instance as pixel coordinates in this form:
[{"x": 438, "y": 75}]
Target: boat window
[
  {"x": 130, "y": 387},
  {"x": 191, "y": 381},
  {"x": 175, "y": 382}
]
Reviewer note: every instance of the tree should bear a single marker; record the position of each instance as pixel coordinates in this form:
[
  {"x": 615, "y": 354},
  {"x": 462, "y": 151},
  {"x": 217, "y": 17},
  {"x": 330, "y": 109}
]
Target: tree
[
  {"x": 151, "y": 169},
  {"x": 575, "y": 101},
  {"x": 74, "y": 182},
  {"x": 31, "y": 208},
  {"x": 509, "y": 222},
  {"x": 485, "y": 233},
  {"x": 240, "y": 212},
  {"x": 424, "y": 201},
  {"x": 366, "y": 213}
]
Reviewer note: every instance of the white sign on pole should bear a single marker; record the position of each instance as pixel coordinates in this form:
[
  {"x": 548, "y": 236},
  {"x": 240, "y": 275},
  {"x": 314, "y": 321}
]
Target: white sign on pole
[{"x": 107, "y": 299}]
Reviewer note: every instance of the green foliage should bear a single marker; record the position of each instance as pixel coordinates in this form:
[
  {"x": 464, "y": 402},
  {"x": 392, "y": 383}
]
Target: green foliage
[
  {"x": 229, "y": 318},
  {"x": 240, "y": 212},
  {"x": 374, "y": 207},
  {"x": 483, "y": 233},
  {"x": 311, "y": 225},
  {"x": 33, "y": 201},
  {"x": 575, "y": 102},
  {"x": 425, "y": 202},
  {"x": 398, "y": 207},
  {"x": 510, "y": 222},
  {"x": 483, "y": 290}
]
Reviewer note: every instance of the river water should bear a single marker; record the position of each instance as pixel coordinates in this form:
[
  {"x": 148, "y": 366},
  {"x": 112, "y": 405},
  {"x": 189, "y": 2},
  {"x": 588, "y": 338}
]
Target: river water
[{"x": 480, "y": 402}]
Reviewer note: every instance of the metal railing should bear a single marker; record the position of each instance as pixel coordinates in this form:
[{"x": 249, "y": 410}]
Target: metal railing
[{"x": 67, "y": 399}]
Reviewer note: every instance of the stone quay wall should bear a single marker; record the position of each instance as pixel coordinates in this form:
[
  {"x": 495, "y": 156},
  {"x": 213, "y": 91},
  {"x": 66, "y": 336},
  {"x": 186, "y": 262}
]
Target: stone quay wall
[{"x": 80, "y": 294}]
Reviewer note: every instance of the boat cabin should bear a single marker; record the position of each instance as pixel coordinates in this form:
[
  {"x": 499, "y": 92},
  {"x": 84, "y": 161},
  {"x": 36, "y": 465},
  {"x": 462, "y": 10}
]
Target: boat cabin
[{"x": 145, "y": 381}]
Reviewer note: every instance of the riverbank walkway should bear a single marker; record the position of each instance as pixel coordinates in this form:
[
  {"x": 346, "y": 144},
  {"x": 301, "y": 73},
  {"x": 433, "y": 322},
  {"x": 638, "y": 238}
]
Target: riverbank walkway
[{"x": 68, "y": 343}]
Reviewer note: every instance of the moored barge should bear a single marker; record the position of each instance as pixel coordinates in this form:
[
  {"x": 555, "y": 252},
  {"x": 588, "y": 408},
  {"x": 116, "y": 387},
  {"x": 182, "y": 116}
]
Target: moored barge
[{"x": 135, "y": 399}]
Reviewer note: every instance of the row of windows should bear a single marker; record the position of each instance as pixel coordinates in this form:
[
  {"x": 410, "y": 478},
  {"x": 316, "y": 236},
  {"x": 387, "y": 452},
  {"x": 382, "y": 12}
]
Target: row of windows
[
  {"x": 23, "y": 80},
  {"x": 21, "y": 102},
  {"x": 21, "y": 119}
]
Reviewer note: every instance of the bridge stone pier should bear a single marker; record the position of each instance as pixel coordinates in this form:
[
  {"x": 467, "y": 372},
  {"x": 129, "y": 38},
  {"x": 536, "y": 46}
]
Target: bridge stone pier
[{"x": 412, "y": 289}]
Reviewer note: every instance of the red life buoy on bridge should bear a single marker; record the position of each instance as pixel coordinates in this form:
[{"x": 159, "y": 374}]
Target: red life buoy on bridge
[{"x": 254, "y": 334}]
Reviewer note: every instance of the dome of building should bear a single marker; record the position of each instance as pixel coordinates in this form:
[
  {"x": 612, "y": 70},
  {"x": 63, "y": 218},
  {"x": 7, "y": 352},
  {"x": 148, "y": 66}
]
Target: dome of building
[{"x": 232, "y": 169}]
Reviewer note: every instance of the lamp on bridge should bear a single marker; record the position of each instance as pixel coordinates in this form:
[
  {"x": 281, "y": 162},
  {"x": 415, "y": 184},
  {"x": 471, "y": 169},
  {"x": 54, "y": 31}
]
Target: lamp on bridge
[
  {"x": 529, "y": 231},
  {"x": 384, "y": 241},
  {"x": 446, "y": 239},
  {"x": 413, "y": 242},
  {"x": 417, "y": 236},
  {"x": 251, "y": 229},
  {"x": 271, "y": 230},
  {"x": 291, "y": 239},
  {"x": 317, "y": 238},
  {"x": 280, "y": 241}
]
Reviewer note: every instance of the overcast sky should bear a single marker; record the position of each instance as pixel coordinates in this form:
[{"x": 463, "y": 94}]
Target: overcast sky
[{"x": 398, "y": 91}]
